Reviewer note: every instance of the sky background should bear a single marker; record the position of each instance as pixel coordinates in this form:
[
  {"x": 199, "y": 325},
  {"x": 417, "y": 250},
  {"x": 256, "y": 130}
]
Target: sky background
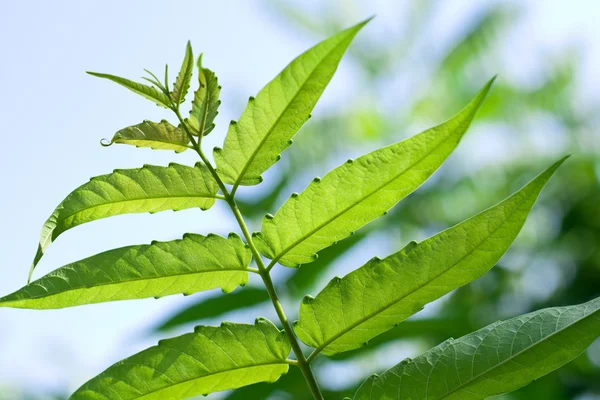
[{"x": 54, "y": 115}]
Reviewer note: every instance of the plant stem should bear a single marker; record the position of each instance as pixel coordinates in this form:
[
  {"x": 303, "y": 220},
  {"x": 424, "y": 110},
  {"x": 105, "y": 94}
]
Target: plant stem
[{"x": 263, "y": 271}]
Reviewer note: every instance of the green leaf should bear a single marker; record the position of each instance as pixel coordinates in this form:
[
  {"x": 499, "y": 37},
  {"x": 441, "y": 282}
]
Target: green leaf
[
  {"x": 270, "y": 120},
  {"x": 192, "y": 264},
  {"x": 206, "y": 101},
  {"x": 182, "y": 82},
  {"x": 149, "y": 92},
  {"x": 157, "y": 136},
  {"x": 359, "y": 191},
  {"x": 215, "y": 306},
  {"x": 147, "y": 189},
  {"x": 497, "y": 359},
  {"x": 209, "y": 360},
  {"x": 383, "y": 293}
]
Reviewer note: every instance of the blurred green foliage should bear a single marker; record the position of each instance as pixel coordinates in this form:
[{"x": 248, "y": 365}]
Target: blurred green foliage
[{"x": 564, "y": 232}]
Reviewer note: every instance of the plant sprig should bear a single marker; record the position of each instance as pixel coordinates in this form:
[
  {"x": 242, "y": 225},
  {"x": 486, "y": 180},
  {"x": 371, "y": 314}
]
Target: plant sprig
[{"x": 350, "y": 310}]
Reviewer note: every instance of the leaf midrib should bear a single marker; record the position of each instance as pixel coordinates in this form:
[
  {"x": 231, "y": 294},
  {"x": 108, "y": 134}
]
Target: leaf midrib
[
  {"x": 138, "y": 199},
  {"x": 519, "y": 353},
  {"x": 282, "y": 362},
  {"x": 71, "y": 289},
  {"x": 276, "y": 123},
  {"x": 351, "y": 206},
  {"x": 418, "y": 288}
]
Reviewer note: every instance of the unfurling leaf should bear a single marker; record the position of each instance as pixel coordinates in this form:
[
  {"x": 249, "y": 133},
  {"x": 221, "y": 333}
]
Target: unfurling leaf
[
  {"x": 206, "y": 102},
  {"x": 147, "y": 189},
  {"x": 209, "y": 360},
  {"x": 192, "y": 264},
  {"x": 270, "y": 120},
  {"x": 182, "y": 82},
  {"x": 359, "y": 191},
  {"x": 499, "y": 358},
  {"x": 383, "y": 293},
  {"x": 157, "y": 136},
  {"x": 149, "y": 92}
]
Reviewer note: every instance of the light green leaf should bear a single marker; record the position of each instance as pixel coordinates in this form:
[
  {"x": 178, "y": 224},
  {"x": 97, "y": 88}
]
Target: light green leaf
[
  {"x": 383, "y": 293},
  {"x": 206, "y": 101},
  {"x": 499, "y": 358},
  {"x": 209, "y": 360},
  {"x": 157, "y": 136},
  {"x": 149, "y": 92},
  {"x": 182, "y": 82},
  {"x": 187, "y": 266},
  {"x": 270, "y": 120},
  {"x": 147, "y": 189},
  {"x": 359, "y": 191}
]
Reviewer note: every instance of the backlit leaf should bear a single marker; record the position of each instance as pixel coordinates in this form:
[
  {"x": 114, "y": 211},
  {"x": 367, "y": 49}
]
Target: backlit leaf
[
  {"x": 382, "y": 293},
  {"x": 499, "y": 358},
  {"x": 192, "y": 264},
  {"x": 157, "y": 136},
  {"x": 359, "y": 191},
  {"x": 267, "y": 125},
  {"x": 182, "y": 82},
  {"x": 206, "y": 101},
  {"x": 147, "y": 189},
  {"x": 149, "y": 92},
  {"x": 209, "y": 360}
]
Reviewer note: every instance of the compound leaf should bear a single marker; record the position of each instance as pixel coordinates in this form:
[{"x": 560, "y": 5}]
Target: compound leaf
[
  {"x": 157, "y": 136},
  {"x": 149, "y": 92},
  {"x": 499, "y": 358},
  {"x": 209, "y": 360},
  {"x": 192, "y": 264},
  {"x": 359, "y": 191},
  {"x": 182, "y": 82},
  {"x": 270, "y": 120},
  {"x": 148, "y": 189},
  {"x": 206, "y": 102},
  {"x": 382, "y": 293}
]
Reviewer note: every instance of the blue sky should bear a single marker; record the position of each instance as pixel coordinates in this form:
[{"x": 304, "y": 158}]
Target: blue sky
[{"x": 54, "y": 115}]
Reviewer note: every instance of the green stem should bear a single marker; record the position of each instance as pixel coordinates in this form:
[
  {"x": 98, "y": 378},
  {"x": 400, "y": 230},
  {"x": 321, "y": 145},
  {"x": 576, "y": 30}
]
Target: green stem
[{"x": 263, "y": 271}]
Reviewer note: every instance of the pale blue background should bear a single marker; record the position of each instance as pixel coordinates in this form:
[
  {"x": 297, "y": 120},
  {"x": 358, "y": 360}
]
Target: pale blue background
[{"x": 53, "y": 116}]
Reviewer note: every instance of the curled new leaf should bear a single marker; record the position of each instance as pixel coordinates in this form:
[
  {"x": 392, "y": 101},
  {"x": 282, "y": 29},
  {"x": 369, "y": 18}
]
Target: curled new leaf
[
  {"x": 497, "y": 359},
  {"x": 147, "y": 189},
  {"x": 383, "y": 293},
  {"x": 209, "y": 360},
  {"x": 149, "y": 92},
  {"x": 279, "y": 110},
  {"x": 157, "y": 136},
  {"x": 192, "y": 264},
  {"x": 359, "y": 191},
  {"x": 206, "y": 102}
]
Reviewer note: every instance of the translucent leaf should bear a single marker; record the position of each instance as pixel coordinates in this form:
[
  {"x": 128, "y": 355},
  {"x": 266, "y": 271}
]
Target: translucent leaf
[
  {"x": 270, "y": 120},
  {"x": 149, "y": 92},
  {"x": 157, "y": 136},
  {"x": 182, "y": 82},
  {"x": 209, "y": 360},
  {"x": 499, "y": 358},
  {"x": 206, "y": 101},
  {"x": 187, "y": 266},
  {"x": 382, "y": 293},
  {"x": 359, "y": 191},
  {"x": 147, "y": 189}
]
